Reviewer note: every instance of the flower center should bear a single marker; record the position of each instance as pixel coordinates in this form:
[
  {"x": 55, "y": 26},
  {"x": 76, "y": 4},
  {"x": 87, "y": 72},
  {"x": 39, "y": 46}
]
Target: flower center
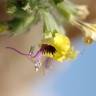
[{"x": 45, "y": 48}]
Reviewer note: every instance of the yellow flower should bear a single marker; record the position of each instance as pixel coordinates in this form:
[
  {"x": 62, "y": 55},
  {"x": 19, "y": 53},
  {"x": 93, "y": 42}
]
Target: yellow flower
[
  {"x": 58, "y": 48},
  {"x": 55, "y": 44}
]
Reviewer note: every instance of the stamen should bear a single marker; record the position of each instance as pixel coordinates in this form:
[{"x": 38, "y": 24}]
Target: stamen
[
  {"x": 26, "y": 54},
  {"x": 45, "y": 48},
  {"x": 36, "y": 57}
]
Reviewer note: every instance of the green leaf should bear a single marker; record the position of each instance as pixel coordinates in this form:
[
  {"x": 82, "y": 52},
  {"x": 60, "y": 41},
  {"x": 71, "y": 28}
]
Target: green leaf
[{"x": 18, "y": 26}]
